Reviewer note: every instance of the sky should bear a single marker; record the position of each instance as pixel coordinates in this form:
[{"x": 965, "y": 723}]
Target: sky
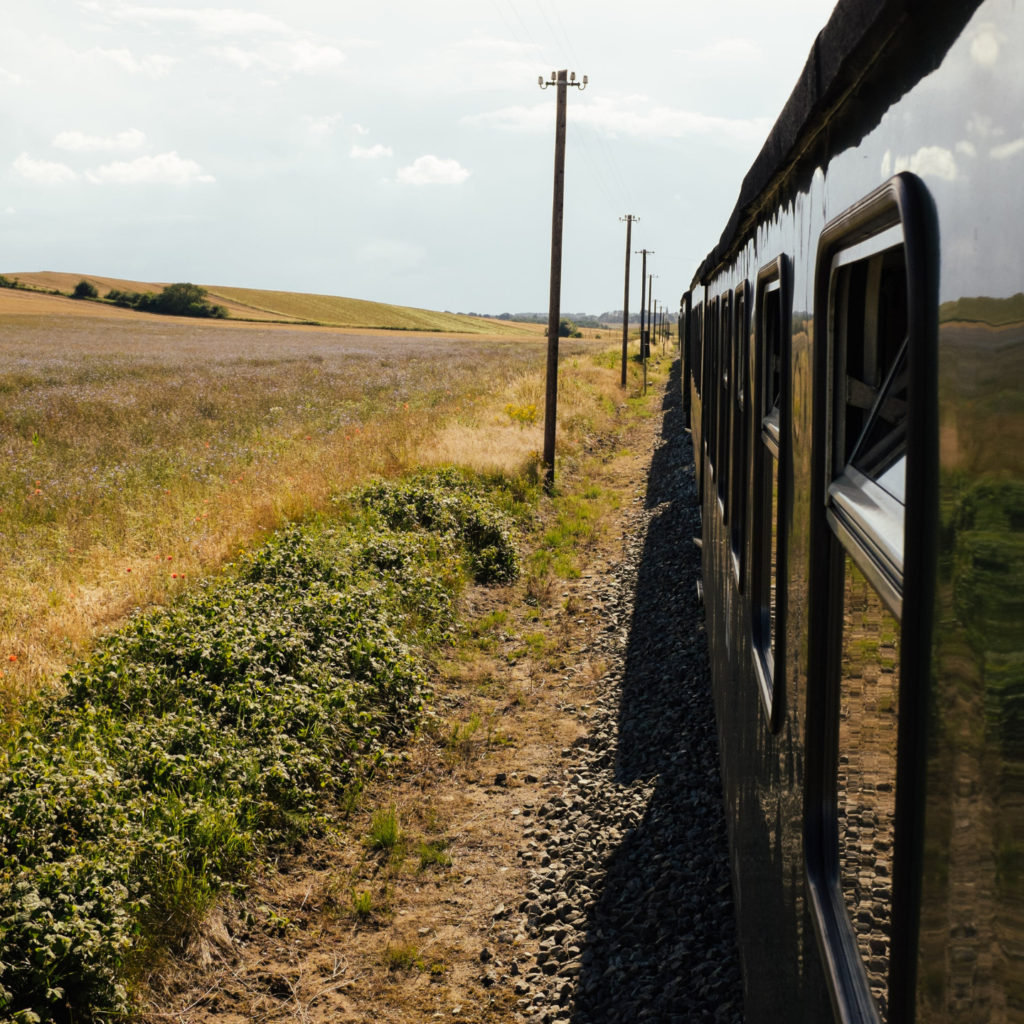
[{"x": 396, "y": 151}]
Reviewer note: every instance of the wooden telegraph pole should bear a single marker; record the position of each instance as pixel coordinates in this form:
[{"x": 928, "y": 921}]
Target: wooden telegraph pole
[
  {"x": 650, "y": 292},
  {"x": 561, "y": 82},
  {"x": 643, "y": 281},
  {"x": 629, "y": 219}
]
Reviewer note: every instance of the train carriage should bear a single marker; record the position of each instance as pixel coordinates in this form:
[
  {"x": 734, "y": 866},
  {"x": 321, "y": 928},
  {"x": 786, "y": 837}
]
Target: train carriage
[{"x": 853, "y": 372}]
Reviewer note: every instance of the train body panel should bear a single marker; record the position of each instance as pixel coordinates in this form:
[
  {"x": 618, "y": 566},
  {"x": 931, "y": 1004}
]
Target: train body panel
[{"x": 869, "y": 684}]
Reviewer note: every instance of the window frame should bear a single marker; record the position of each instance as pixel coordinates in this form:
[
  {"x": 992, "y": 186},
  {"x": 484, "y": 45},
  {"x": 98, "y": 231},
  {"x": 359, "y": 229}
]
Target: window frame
[
  {"x": 739, "y": 404},
  {"x": 709, "y": 407},
  {"x": 769, "y": 668},
  {"x": 723, "y": 399},
  {"x": 867, "y": 520},
  {"x": 904, "y": 199}
]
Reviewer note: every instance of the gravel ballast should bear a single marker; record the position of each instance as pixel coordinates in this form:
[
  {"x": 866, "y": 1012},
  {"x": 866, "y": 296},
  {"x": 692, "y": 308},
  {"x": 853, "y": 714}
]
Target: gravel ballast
[{"x": 630, "y": 893}]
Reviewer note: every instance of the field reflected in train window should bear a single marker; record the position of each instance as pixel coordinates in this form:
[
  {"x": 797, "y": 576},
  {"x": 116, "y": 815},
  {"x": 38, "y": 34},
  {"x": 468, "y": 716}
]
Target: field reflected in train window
[
  {"x": 765, "y": 402},
  {"x": 866, "y": 804}
]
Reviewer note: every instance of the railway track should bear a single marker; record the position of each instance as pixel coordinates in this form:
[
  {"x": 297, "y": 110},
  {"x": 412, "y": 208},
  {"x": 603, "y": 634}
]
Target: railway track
[{"x": 630, "y": 892}]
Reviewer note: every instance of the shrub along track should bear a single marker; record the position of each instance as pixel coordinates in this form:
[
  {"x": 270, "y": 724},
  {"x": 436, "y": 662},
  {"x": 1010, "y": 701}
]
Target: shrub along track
[
  {"x": 559, "y": 848},
  {"x": 195, "y": 739}
]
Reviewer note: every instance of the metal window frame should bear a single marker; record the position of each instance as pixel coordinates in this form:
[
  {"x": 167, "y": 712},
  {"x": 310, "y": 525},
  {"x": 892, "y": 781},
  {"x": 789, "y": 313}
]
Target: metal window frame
[
  {"x": 708, "y": 406},
  {"x": 903, "y": 199},
  {"x": 739, "y": 460},
  {"x": 723, "y": 441},
  {"x": 769, "y": 670}
]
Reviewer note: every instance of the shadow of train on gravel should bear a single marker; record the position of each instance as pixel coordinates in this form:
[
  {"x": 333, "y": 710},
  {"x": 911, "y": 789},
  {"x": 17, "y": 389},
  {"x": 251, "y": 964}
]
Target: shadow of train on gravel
[{"x": 660, "y": 939}]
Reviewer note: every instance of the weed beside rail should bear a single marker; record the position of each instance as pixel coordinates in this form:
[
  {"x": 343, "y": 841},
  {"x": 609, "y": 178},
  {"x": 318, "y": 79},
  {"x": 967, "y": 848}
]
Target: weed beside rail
[{"x": 193, "y": 738}]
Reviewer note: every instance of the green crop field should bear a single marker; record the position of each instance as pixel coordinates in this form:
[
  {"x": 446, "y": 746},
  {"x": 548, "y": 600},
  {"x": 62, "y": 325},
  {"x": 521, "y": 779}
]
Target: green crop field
[{"x": 334, "y": 309}]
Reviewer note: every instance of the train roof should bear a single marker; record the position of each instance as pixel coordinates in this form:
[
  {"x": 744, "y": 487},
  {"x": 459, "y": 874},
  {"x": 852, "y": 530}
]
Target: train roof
[{"x": 869, "y": 54}]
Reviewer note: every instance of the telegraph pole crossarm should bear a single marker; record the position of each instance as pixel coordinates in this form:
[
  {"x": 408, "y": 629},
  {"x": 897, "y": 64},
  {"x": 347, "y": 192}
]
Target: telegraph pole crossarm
[{"x": 561, "y": 81}]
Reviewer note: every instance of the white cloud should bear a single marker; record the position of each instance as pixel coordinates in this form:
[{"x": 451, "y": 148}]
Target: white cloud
[
  {"x": 398, "y": 255},
  {"x": 430, "y": 170},
  {"x": 985, "y": 44},
  {"x": 10, "y": 78},
  {"x": 273, "y": 43},
  {"x": 78, "y": 141},
  {"x": 323, "y": 126},
  {"x": 983, "y": 126},
  {"x": 301, "y": 56},
  {"x": 211, "y": 20},
  {"x": 373, "y": 152},
  {"x": 626, "y": 116},
  {"x": 360, "y": 129},
  {"x": 967, "y": 148},
  {"x": 929, "y": 161},
  {"x": 163, "y": 169},
  {"x": 243, "y": 59},
  {"x": 725, "y": 50},
  {"x": 155, "y": 65},
  {"x": 886, "y": 166},
  {"x": 45, "y": 172},
  {"x": 311, "y": 57},
  {"x": 1007, "y": 149}
]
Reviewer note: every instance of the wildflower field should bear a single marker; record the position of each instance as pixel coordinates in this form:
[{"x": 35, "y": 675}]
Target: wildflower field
[
  {"x": 224, "y": 568},
  {"x": 134, "y": 455}
]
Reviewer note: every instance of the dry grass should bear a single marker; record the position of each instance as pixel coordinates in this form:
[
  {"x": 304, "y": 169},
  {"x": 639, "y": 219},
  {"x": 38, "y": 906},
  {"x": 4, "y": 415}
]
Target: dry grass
[{"x": 136, "y": 456}]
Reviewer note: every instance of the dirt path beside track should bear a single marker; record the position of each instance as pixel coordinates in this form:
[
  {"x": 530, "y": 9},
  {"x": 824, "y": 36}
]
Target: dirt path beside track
[{"x": 563, "y": 852}]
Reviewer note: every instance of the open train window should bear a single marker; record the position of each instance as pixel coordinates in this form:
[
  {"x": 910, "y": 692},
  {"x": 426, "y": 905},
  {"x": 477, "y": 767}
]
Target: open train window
[
  {"x": 722, "y": 401},
  {"x": 876, "y": 445},
  {"x": 867, "y": 489},
  {"x": 768, "y": 376},
  {"x": 740, "y": 354}
]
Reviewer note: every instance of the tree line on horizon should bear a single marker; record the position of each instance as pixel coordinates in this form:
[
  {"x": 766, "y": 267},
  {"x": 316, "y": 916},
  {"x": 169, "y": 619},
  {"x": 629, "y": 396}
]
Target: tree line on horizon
[{"x": 181, "y": 299}]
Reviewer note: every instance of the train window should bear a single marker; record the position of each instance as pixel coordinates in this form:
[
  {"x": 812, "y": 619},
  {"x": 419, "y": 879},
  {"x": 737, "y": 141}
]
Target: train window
[
  {"x": 869, "y": 387},
  {"x": 875, "y": 460},
  {"x": 738, "y": 488},
  {"x": 868, "y": 299},
  {"x": 696, "y": 348},
  {"x": 711, "y": 370},
  {"x": 722, "y": 401},
  {"x": 766, "y": 402}
]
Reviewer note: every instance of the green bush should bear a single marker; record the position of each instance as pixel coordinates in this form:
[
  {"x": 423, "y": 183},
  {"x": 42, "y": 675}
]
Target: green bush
[
  {"x": 194, "y": 737},
  {"x": 85, "y": 290},
  {"x": 451, "y": 505},
  {"x": 175, "y": 300}
]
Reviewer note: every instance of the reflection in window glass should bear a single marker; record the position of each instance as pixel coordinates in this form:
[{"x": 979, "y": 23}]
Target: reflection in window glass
[{"x": 869, "y": 691}]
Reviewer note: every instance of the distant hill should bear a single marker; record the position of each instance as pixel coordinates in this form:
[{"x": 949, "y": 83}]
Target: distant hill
[{"x": 296, "y": 307}]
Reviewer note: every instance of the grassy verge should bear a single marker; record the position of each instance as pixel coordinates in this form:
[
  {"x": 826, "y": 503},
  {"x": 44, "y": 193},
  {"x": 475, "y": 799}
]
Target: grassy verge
[{"x": 192, "y": 739}]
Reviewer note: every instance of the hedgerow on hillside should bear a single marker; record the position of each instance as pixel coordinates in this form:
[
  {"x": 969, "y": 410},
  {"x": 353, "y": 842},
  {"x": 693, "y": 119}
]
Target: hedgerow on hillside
[{"x": 195, "y": 737}]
